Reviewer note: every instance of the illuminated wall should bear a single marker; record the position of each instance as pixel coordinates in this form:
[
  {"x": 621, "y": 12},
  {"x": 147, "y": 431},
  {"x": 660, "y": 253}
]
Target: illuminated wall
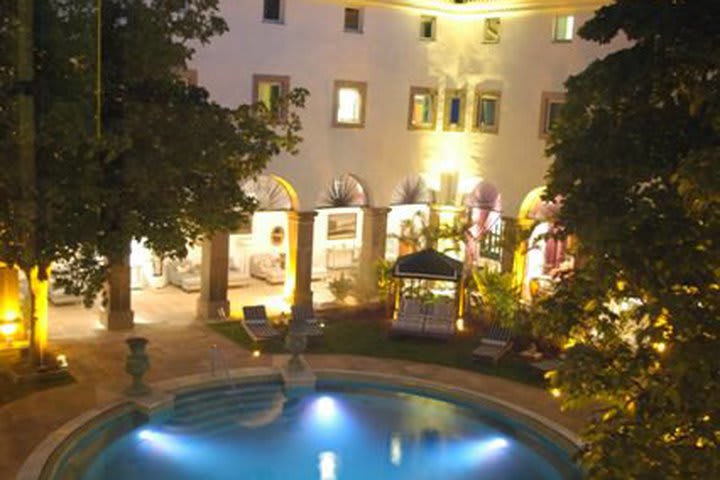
[{"x": 313, "y": 50}]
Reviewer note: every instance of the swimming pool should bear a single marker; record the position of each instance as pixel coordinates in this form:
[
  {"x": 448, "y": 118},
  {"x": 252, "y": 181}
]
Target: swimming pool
[{"x": 343, "y": 431}]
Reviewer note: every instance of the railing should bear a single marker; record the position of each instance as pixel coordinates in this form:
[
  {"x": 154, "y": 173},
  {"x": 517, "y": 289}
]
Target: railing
[
  {"x": 219, "y": 362},
  {"x": 490, "y": 244}
]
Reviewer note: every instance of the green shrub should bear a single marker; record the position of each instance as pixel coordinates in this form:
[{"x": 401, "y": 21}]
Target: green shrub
[{"x": 341, "y": 287}]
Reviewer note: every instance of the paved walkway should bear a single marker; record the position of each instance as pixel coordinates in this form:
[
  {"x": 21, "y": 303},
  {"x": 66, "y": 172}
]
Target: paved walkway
[{"x": 180, "y": 350}]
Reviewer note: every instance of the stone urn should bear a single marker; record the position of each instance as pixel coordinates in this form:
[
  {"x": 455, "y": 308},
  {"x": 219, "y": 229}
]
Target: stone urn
[
  {"x": 136, "y": 364},
  {"x": 295, "y": 344}
]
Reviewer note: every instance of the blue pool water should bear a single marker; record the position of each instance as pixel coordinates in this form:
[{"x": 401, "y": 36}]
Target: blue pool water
[{"x": 337, "y": 435}]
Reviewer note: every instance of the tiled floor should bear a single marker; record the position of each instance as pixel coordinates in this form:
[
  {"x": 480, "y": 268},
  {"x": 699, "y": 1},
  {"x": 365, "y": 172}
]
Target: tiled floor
[
  {"x": 180, "y": 346},
  {"x": 171, "y": 306}
]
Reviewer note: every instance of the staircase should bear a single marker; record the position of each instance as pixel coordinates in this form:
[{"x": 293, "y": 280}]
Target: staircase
[{"x": 218, "y": 409}]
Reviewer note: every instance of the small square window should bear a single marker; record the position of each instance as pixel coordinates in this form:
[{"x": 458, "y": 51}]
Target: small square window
[
  {"x": 422, "y": 109},
  {"x": 349, "y": 104},
  {"x": 550, "y": 109},
  {"x": 564, "y": 28},
  {"x": 427, "y": 28},
  {"x": 487, "y": 112},
  {"x": 454, "y": 110},
  {"x": 491, "y": 33},
  {"x": 269, "y": 90},
  {"x": 353, "y": 20},
  {"x": 273, "y": 11}
]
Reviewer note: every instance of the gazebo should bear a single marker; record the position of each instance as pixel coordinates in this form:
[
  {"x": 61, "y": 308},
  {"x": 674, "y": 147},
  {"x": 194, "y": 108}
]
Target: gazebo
[{"x": 429, "y": 265}]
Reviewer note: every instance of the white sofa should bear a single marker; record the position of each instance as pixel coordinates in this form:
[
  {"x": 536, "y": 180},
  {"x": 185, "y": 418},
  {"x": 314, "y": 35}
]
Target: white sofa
[
  {"x": 186, "y": 275},
  {"x": 268, "y": 267}
]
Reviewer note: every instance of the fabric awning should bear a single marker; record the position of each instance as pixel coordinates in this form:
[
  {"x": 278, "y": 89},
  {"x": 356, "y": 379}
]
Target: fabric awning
[{"x": 428, "y": 264}]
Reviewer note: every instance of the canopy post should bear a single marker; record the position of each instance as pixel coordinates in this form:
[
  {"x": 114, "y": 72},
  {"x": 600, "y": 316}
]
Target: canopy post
[
  {"x": 460, "y": 292},
  {"x": 396, "y": 305}
]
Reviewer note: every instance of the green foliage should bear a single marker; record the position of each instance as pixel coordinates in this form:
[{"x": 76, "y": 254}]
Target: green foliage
[
  {"x": 636, "y": 155},
  {"x": 169, "y": 164},
  {"x": 419, "y": 233},
  {"x": 500, "y": 299},
  {"x": 341, "y": 287},
  {"x": 383, "y": 273}
]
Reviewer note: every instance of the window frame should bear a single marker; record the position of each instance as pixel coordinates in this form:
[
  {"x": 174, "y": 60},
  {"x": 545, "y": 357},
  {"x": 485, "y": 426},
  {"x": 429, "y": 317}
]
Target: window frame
[
  {"x": 556, "y": 22},
  {"x": 281, "y": 13},
  {"x": 546, "y": 99},
  {"x": 479, "y": 95},
  {"x": 361, "y": 19},
  {"x": 451, "y": 93},
  {"x": 283, "y": 80},
  {"x": 487, "y": 41},
  {"x": 433, "y": 93},
  {"x": 361, "y": 87},
  {"x": 433, "y": 22}
]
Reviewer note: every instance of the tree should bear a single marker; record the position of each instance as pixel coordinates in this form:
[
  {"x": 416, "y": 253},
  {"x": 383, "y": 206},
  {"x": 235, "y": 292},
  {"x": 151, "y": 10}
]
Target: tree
[
  {"x": 635, "y": 153},
  {"x": 158, "y": 161}
]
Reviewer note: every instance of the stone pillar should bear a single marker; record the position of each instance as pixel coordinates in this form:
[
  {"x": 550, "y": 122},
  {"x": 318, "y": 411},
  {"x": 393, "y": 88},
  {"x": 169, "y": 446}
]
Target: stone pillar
[
  {"x": 298, "y": 264},
  {"x": 214, "y": 277},
  {"x": 372, "y": 250},
  {"x": 117, "y": 313}
]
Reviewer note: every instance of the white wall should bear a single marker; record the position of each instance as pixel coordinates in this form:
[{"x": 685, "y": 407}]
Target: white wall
[{"x": 313, "y": 50}]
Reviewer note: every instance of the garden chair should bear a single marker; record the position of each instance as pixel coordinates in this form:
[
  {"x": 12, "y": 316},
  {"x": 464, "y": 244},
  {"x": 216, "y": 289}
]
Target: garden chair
[
  {"x": 496, "y": 342},
  {"x": 305, "y": 314},
  {"x": 256, "y": 323}
]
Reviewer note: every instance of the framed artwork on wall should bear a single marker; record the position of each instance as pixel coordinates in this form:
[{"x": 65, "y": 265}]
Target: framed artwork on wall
[{"x": 342, "y": 226}]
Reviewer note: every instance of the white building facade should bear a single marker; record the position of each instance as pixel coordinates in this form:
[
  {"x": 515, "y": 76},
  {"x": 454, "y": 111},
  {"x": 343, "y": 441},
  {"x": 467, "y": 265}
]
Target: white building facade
[{"x": 512, "y": 49}]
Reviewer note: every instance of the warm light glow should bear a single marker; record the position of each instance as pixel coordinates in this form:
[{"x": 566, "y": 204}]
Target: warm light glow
[
  {"x": 660, "y": 347},
  {"x": 460, "y": 325},
  {"x": 61, "y": 361},
  {"x": 256, "y": 353},
  {"x": 349, "y": 105},
  {"x": 10, "y": 316},
  {"x": 555, "y": 392},
  {"x": 322, "y": 324},
  {"x": 8, "y": 330}
]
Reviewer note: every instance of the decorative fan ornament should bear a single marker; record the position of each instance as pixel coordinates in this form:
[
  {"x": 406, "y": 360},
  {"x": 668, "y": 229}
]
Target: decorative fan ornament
[
  {"x": 343, "y": 191},
  {"x": 268, "y": 193},
  {"x": 412, "y": 190}
]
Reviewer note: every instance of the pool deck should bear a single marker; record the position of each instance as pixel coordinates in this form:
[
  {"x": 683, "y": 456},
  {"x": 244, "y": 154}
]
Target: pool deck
[{"x": 97, "y": 365}]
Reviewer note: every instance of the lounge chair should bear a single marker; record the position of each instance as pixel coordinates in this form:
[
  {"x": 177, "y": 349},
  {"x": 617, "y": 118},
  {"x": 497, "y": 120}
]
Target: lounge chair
[
  {"x": 496, "y": 342},
  {"x": 410, "y": 319},
  {"x": 306, "y": 315},
  {"x": 440, "y": 320},
  {"x": 256, "y": 323}
]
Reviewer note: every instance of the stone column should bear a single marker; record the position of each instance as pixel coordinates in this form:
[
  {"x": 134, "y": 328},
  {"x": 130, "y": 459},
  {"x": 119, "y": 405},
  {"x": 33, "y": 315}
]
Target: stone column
[
  {"x": 372, "y": 250},
  {"x": 214, "y": 277},
  {"x": 298, "y": 264},
  {"x": 117, "y": 313}
]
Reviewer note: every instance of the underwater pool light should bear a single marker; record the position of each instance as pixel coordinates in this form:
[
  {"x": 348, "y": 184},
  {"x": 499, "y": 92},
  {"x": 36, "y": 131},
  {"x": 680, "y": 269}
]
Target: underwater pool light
[{"x": 325, "y": 408}]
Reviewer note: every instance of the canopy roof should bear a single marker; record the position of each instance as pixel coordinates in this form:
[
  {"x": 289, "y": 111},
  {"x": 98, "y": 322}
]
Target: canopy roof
[{"x": 428, "y": 264}]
